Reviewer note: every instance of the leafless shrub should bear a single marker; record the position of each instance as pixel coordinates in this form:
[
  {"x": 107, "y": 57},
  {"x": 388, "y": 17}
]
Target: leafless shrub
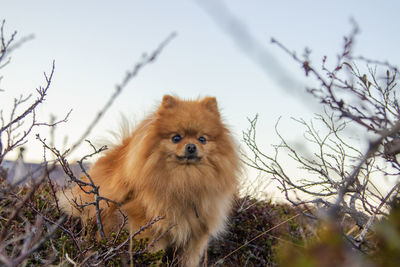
[
  {"x": 20, "y": 236},
  {"x": 341, "y": 178}
]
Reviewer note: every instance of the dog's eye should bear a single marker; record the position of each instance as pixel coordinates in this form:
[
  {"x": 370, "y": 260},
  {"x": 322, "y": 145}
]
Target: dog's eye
[
  {"x": 176, "y": 138},
  {"x": 202, "y": 139}
]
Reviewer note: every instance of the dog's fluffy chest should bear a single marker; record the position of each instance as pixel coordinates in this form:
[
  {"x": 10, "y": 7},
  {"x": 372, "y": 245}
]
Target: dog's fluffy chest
[{"x": 192, "y": 220}]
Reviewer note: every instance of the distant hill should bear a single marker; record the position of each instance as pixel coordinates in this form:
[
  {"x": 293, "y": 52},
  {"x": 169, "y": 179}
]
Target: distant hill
[{"x": 23, "y": 172}]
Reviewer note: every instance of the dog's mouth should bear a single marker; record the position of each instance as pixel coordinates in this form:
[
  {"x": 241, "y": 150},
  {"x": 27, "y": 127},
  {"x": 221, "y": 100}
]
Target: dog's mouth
[{"x": 188, "y": 159}]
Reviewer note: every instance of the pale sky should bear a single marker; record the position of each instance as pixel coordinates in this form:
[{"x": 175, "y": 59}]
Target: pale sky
[{"x": 94, "y": 42}]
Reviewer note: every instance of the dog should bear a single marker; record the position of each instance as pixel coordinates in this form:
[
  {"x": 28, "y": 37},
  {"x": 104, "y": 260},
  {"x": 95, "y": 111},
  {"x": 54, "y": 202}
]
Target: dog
[{"x": 180, "y": 163}]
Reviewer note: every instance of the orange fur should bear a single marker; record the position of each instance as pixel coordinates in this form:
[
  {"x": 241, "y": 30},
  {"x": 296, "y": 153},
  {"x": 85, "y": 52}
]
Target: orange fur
[{"x": 150, "y": 176}]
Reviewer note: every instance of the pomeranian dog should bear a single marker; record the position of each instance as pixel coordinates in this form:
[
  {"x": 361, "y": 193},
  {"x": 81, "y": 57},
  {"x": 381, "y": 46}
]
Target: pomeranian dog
[{"x": 180, "y": 163}]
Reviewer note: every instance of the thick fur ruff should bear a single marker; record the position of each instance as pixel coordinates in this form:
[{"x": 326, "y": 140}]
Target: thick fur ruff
[{"x": 181, "y": 163}]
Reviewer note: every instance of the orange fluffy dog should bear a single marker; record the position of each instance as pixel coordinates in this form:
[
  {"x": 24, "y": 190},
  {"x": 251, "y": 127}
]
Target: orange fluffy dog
[{"x": 181, "y": 163}]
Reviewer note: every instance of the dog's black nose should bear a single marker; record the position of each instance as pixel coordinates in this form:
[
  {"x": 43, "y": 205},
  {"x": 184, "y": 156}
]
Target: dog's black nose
[{"x": 190, "y": 150}]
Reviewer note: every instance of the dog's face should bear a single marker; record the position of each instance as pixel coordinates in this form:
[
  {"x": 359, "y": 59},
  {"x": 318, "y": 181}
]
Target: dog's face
[
  {"x": 188, "y": 130},
  {"x": 187, "y": 149}
]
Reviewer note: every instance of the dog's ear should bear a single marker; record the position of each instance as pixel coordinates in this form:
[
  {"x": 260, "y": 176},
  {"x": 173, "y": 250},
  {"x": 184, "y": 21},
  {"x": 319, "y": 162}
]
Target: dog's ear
[
  {"x": 211, "y": 104},
  {"x": 169, "y": 101}
]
